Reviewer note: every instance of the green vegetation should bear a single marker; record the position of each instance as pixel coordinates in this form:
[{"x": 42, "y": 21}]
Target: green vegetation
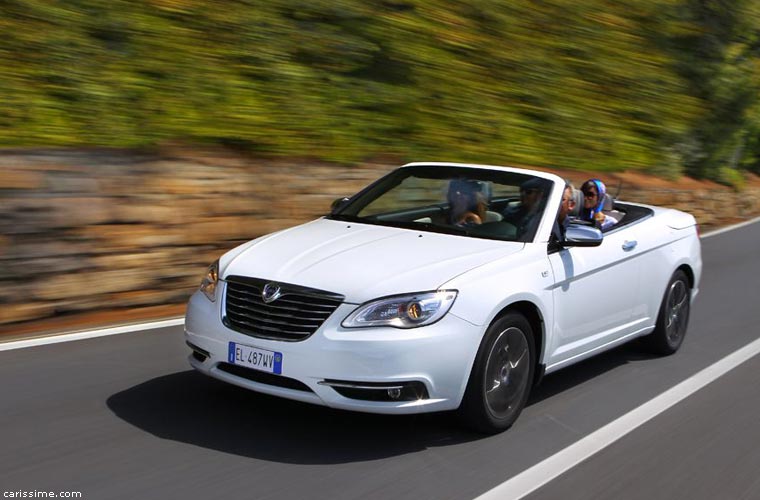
[{"x": 668, "y": 86}]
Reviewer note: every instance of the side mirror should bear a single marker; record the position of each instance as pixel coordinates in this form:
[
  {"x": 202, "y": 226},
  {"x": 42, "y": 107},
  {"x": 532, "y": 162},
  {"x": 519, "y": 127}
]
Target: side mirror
[
  {"x": 338, "y": 204},
  {"x": 582, "y": 236}
]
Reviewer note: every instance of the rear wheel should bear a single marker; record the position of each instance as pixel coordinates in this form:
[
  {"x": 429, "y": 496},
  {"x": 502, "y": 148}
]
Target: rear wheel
[
  {"x": 501, "y": 376},
  {"x": 673, "y": 318}
]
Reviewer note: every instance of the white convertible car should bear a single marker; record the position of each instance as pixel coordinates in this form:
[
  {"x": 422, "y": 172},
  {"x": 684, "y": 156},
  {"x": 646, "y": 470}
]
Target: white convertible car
[{"x": 442, "y": 286}]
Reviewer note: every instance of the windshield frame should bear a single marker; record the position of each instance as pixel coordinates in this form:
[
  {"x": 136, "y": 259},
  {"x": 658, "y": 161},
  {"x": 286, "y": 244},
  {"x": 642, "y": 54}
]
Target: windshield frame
[{"x": 444, "y": 171}]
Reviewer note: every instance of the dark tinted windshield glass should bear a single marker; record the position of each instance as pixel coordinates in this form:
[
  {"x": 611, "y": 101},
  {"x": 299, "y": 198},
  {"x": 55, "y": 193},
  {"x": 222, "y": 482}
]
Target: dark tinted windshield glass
[{"x": 474, "y": 202}]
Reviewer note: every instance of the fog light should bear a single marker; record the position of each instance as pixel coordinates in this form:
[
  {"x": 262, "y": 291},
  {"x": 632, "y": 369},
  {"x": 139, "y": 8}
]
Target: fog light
[
  {"x": 378, "y": 391},
  {"x": 394, "y": 393}
]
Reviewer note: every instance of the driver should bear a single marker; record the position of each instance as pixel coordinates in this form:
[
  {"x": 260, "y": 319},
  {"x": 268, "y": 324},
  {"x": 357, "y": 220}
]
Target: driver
[{"x": 527, "y": 215}]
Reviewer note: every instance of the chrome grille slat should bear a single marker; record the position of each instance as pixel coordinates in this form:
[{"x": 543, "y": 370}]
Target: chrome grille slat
[
  {"x": 275, "y": 318},
  {"x": 270, "y": 329},
  {"x": 262, "y": 308},
  {"x": 266, "y": 319},
  {"x": 284, "y": 299},
  {"x": 295, "y": 315},
  {"x": 278, "y": 307},
  {"x": 289, "y": 300}
]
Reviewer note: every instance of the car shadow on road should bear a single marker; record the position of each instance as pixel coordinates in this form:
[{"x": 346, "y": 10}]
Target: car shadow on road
[
  {"x": 589, "y": 369},
  {"x": 192, "y": 408}
]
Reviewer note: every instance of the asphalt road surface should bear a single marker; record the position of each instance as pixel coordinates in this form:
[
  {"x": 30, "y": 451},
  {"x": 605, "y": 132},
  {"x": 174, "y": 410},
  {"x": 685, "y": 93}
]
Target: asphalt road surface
[{"x": 124, "y": 417}]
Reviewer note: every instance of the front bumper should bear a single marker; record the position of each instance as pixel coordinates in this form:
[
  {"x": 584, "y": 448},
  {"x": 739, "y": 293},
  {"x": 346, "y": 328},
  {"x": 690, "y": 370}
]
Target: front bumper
[{"x": 438, "y": 357}]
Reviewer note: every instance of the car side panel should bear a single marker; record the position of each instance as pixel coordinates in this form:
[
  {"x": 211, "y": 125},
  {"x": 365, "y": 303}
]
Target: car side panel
[
  {"x": 595, "y": 293},
  {"x": 663, "y": 250},
  {"x": 485, "y": 292}
]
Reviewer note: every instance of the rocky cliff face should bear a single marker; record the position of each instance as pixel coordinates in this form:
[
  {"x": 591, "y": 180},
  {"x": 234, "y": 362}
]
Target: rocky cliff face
[{"x": 84, "y": 231}]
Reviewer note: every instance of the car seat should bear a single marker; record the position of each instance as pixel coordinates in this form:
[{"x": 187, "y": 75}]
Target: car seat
[
  {"x": 577, "y": 197},
  {"x": 609, "y": 208}
]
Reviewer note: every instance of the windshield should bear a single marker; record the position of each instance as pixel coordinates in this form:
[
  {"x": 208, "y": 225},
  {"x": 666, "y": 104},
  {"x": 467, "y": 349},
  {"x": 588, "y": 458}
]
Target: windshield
[{"x": 474, "y": 202}]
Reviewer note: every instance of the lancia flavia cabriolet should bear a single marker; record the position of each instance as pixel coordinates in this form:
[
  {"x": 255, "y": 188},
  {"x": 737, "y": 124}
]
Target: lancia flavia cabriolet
[{"x": 442, "y": 286}]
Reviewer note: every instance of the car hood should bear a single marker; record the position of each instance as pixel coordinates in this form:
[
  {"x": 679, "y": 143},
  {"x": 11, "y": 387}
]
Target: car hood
[{"x": 362, "y": 261}]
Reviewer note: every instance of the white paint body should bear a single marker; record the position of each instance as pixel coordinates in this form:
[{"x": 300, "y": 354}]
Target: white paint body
[{"x": 588, "y": 299}]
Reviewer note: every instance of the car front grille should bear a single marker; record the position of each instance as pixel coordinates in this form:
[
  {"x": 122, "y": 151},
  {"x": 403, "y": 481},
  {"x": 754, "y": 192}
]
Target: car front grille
[{"x": 294, "y": 315}]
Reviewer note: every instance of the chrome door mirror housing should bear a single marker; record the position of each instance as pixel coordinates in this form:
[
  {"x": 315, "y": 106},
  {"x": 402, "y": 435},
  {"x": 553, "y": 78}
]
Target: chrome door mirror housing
[{"x": 582, "y": 236}]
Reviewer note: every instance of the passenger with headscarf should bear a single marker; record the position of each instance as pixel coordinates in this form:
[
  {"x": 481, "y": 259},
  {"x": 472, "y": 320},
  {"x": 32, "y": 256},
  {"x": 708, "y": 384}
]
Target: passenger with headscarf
[{"x": 594, "y": 194}]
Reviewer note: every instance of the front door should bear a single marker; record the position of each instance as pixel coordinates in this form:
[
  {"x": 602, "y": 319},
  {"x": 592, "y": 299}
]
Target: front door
[{"x": 595, "y": 293}]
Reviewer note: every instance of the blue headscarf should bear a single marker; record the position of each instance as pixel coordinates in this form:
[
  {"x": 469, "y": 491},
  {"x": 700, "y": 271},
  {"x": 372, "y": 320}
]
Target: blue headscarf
[{"x": 601, "y": 190}]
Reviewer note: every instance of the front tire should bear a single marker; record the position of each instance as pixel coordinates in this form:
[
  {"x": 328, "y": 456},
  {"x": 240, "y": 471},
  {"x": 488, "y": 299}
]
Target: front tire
[
  {"x": 501, "y": 377},
  {"x": 673, "y": 318}
]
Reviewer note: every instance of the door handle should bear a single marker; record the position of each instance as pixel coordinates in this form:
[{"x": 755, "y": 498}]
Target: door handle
[{"x": 630, "y": 245}]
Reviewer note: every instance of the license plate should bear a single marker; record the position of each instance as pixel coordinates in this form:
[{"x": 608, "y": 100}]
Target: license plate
[{"x": 253, "y": 357}]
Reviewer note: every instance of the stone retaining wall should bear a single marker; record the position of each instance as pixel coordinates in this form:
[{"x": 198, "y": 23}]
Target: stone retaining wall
[{"x": 84, "y": 231}]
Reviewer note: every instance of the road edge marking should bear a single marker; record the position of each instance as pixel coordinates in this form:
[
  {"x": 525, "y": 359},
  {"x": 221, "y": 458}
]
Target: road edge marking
[
  {"x": 89, "y": 334},
  {"x": 730, "y": 228},
  {"x": 538, "y": 475}
]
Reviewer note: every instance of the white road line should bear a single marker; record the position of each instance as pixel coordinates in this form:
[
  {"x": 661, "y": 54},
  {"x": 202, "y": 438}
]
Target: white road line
[
  {"x": 533, "y": 478},
  {"x": 89, "y": 334},
  {"x": 730, "y": 228}
]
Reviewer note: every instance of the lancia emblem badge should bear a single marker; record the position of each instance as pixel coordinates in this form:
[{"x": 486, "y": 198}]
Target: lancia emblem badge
[{"x": 271, "y": 292}]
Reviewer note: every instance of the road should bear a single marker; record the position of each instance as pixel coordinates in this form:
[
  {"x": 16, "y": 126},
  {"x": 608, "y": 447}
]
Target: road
[{"x": 123, "y": 417}]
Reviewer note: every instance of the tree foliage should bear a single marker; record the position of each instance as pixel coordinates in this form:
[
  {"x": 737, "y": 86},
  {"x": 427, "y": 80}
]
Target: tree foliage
[
  {"x": 717, "y": 51},
  {"x": 664, "y": 85}
]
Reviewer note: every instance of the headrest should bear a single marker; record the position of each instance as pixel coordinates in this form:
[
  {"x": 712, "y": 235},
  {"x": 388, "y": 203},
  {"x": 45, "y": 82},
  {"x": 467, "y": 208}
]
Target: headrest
[
  {"x": 486, "y": 188},
  {"x": 471, "y": 186},
  {"x": 577, "y": 196},
  {"x": 609, "y": 203},
  {"x": 534, "y": 183}
]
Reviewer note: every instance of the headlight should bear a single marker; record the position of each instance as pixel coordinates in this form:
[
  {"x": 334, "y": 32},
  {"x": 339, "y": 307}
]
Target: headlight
[
  {"x": 402, "y": 311},
  {"x": 208, "y": 285}
]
